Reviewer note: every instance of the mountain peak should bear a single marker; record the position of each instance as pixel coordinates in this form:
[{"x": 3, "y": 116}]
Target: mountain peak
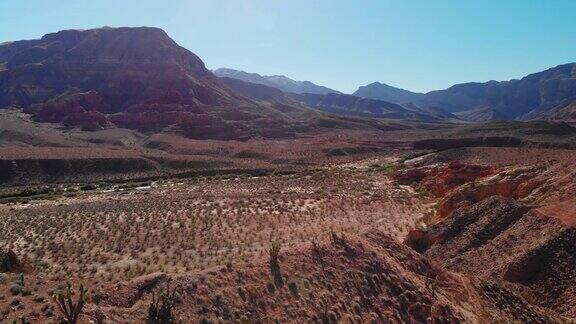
[
  {"x": 106, "y": 45},
  {"x": 131, "y": 77},
  {"x": 382, "y": 91},
  {"x": 143, "y": 31}
]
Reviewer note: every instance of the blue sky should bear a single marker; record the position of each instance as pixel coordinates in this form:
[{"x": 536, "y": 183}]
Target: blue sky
[{"x": 419, "y": 45}]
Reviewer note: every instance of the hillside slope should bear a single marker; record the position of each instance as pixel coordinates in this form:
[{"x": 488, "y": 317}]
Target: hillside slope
[{"x": 366, "y": 279}]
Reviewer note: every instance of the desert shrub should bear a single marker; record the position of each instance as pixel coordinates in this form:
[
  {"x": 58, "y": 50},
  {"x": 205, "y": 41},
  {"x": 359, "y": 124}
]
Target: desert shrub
[
  {"x": 341, "y": 241},
  {"x": 242, "y": 293},
  {"x": 271, "y": 288},
  {"x": 9, "y": 262},
  {"x": 15, "y": 289},
  {"x": 21, "y": 320},
  {"x": 47, "y": 309},
  {"x": 69, "y": 309},
  {"x": 96, "y": 296},
  {"x": 306, "y": 283},
  {"x": 16, "y": 302},
  {"x": 419, "y": 240},
  {"x": 293, "y": 288},
  {"x": 38, "y": 299},
  {"x": 88, "y": 187},
  {"x": 247, "y": 154},
  {"x": 26, "y": 291}
]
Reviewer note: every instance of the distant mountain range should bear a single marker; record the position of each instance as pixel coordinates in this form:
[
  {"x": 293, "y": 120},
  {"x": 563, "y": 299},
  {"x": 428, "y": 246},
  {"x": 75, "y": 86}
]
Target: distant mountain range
[
  {"x": 338, "y": 103},
  {"x": 543, "y": 95},
  {"x": 535, "y": 96},
  {"x": 277, "y": 81}
]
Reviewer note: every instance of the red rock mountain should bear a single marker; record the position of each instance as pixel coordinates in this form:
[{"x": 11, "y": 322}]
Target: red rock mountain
[
  {"x": 125, "y": 65},
  {"x": 129, "y": 77}
]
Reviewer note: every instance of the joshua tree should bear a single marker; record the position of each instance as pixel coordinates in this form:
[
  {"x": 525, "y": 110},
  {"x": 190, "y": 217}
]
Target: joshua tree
[
  {"x": 274, "y": 252},
  {"x": 70, "y": 310},
  {"x": 160, "y": 310}
]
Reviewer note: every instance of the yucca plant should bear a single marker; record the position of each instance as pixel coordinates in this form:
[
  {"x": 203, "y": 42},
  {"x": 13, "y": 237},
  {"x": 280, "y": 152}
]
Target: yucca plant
[{"x": 70, "y": 310}]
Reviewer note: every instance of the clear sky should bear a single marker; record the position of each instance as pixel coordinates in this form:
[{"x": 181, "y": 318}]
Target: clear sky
[{"x": 419, "y": 45}]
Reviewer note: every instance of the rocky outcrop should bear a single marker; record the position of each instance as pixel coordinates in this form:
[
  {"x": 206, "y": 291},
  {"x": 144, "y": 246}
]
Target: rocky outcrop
[
  {"x": 511, "y": 183},
  {"x": 502, "y": 240},
  {"x": 461, "y": 185},
  {"x": 438, "y": 179}
]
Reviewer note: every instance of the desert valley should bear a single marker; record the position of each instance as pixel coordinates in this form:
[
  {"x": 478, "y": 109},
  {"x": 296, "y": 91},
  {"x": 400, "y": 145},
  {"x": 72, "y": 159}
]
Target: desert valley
[{"x": 138, "y": 186}]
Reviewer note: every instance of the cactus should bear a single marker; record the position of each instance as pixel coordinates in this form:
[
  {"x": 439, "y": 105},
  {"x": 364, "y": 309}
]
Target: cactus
[{"x": 70, "y": 310}]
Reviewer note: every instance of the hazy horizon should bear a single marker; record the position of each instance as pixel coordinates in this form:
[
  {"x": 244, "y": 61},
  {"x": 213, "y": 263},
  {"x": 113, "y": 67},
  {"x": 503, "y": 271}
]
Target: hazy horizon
[{"x": 419, "y": 46}]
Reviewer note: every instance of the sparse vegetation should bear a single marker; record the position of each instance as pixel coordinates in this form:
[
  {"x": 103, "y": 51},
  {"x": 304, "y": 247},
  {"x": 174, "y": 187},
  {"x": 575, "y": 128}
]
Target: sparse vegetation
[
  {"x": 192, "y": 224},
  {"x": 106, "y": 233}
]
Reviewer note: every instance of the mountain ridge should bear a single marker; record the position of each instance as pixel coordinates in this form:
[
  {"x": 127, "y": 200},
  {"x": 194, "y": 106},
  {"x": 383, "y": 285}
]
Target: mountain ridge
[{"x": 280, "y": 82}]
